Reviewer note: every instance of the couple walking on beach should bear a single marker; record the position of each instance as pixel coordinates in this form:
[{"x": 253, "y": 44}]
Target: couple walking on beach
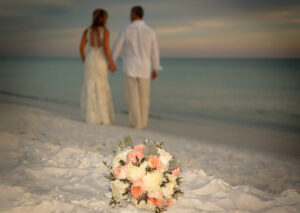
[{"x": 138, "y": 46}]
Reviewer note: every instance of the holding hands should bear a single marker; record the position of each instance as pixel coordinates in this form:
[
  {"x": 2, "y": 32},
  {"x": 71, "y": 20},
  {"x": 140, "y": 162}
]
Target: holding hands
[
  {"x": 112, "y": 67},
  {"x": 154, "y": 74}
]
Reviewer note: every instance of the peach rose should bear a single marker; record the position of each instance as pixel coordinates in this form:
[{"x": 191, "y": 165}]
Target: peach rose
[
  {"x": 120, "y": 172},
  {"x": 154, "y": 162},
  {"x": 176, "y": 172},
  {"x": 139, "y": 148},
  {"x": 156, "y": 199},
  {"x": 131, "y": 156},
  {"x": 171, "y": 201},
  {"x": 137, "y": 189}
]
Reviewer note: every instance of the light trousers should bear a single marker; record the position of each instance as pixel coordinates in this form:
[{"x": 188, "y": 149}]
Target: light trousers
[{"x": 137, "y": 93}]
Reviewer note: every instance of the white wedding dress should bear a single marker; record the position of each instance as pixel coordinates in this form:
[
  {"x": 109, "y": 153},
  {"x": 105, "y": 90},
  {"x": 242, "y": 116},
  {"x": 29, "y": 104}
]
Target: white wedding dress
[{"x": 96, "y": 101}]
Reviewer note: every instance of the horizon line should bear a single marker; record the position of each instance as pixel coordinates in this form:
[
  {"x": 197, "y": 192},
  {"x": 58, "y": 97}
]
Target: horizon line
[{"x": 163, "y": 57}]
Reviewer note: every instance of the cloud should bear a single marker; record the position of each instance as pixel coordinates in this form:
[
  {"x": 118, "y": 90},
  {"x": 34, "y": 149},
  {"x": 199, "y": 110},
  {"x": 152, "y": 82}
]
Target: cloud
[
  {"x": 210, "y": 24},
  {"x": 51, "y": 42},
  {"x": 193, "y": 26},
  {"x": 276, "y": 14},
  {"x": 281, "y": 15},
  {"x": 13, "y": 14},
  {"x": 39, "y": 2},
  {"x": 170, "y": 30},
  {"x": 43, "y": 36},
  {"x": 284, "y": 15},
  {"x": 240, "y": 44},
  {"x": 295, "y": 20}
]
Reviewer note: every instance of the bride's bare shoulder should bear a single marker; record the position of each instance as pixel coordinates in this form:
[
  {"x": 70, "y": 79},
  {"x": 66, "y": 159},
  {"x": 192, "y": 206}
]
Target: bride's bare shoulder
[
  {"x": 106, "y": 30},
  {"x": 85, "y": 31}
]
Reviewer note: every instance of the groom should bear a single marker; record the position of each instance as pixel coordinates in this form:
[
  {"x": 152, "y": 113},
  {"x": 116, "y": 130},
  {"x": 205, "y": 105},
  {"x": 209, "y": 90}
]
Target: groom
[{"x": 139, "y": 49}]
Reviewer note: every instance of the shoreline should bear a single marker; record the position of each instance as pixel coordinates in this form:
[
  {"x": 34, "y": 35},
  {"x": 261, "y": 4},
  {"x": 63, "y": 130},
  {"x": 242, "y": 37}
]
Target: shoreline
[
  {"x": 257, "y": 139},
  {"x": 162, "y": 57}
]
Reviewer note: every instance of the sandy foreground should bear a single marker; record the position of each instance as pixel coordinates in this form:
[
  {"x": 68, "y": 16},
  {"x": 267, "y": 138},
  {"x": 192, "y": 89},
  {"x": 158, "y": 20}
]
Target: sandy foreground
[{"x": 51, "y": 163}]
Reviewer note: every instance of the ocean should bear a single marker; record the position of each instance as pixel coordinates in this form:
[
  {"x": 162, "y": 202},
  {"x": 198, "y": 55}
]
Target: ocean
[{"x": 249, "y": 92}]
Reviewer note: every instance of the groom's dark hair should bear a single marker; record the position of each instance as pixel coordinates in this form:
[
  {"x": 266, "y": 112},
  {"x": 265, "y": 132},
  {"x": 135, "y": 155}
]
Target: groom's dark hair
[{"x": 138, "y": 10}]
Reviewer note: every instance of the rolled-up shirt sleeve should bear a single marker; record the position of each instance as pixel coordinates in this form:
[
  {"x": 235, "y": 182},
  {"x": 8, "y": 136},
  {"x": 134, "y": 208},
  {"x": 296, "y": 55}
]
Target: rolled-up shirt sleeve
[
  {"x": 118, "y": 46},
  {"x": 155, "y": 55}
]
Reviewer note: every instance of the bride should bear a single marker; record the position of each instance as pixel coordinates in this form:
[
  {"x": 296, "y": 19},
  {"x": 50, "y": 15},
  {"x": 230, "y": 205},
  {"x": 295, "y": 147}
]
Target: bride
[{"x": 96, "y": 102}]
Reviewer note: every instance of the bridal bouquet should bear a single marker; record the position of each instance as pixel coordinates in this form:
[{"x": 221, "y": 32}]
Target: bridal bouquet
[{"x": 145, "y": 175}]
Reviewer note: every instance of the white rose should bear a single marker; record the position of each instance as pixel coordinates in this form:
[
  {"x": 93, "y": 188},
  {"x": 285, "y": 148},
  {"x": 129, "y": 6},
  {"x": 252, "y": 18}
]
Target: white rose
[
  {"x": 152, "y": 181},
  {"x": 120, "y": 156},
  {"x": 168, "y": 189},
  {"x": 144, "y": 205},
  {"x": 118, "y": 188},
  {"x": 121, "y": 173},
  {"x": 164, "y": 157},
  {"x": 134, "y": 172},
  {"x": 172, "y": 178}
]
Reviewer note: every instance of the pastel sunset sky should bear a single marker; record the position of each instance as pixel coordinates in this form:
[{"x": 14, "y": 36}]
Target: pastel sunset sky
[{"x": 185, "y": 28}]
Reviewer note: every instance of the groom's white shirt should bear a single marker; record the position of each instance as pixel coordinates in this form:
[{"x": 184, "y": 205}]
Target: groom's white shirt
[{"x": 138, "y": 46}]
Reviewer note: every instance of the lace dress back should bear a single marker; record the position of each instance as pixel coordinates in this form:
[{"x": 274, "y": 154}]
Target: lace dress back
[{"x": 96, "y": 101}]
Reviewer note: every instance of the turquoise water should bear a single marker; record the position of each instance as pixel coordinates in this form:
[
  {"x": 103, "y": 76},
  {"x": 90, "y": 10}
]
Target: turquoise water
[{"x": 259, "y": 92}]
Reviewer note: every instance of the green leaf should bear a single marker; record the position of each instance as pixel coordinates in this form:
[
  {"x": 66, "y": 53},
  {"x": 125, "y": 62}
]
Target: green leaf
[
  {"x": 150, "y": 148},
  {"x": 173, "y": 164},
  {"x": 122, "y": 162}
]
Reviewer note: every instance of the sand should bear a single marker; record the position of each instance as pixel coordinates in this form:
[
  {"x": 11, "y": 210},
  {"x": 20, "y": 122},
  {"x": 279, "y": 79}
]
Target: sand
[{"x": 51, "y": 162}]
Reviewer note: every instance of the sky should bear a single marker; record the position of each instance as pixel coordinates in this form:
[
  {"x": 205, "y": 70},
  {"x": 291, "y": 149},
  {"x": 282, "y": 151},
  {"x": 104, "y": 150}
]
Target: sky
[{"x": 184, "y": 28}]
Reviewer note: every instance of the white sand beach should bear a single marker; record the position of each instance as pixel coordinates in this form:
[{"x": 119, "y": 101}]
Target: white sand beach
[{"x": 51, "y": 162}]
